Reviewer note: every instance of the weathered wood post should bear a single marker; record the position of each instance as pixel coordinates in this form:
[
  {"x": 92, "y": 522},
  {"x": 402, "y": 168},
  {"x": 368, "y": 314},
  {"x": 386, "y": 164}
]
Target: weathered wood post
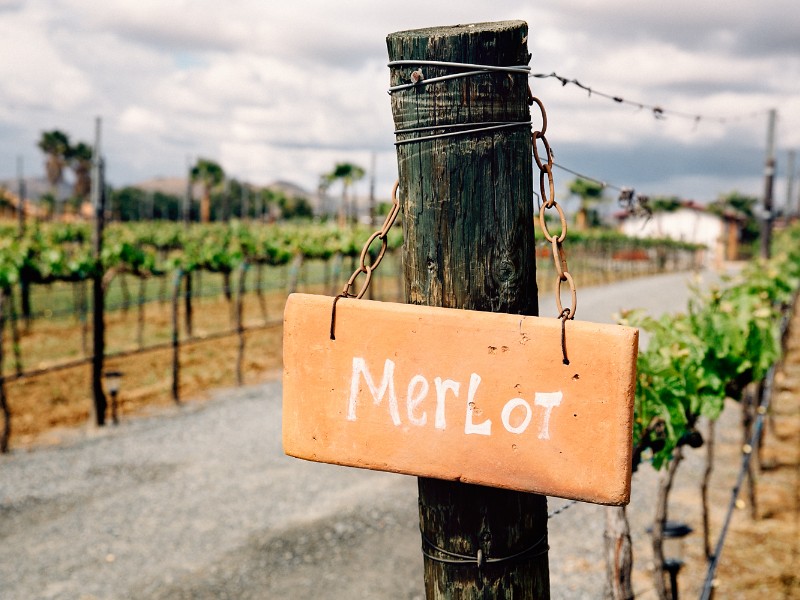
[
  {"x": 98, "y": 290},
  {"x": 469, "y": 243},
  {"x": 176, "y": 344},
  {"x": 5, "y": 432},
  {"x": 240, "y": 323}
]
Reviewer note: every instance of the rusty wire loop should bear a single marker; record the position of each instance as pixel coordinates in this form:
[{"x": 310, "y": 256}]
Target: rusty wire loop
[
  {"x": 548, "y": 197},
  {"x": 365, "y": 267}
]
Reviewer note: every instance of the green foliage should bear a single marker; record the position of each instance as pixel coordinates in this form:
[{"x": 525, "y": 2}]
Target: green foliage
[
  {"x": 587, "y": 191},
  {"x": 742, "y": 206},
  {"x": 207, "y": 172},
  {"x": 664, "y": 204},
  {"x": 347, "y": 172},
  {"x": 132, "y": 203},
  {"x": 590, "y": 193},
  {"x": 61, "y": 153},
  {"x": 79, "y": 157},
  {"x": 62, "y": 251},
  {"x": 728, "y": 338},
  {"x": 55, "y": 145}
]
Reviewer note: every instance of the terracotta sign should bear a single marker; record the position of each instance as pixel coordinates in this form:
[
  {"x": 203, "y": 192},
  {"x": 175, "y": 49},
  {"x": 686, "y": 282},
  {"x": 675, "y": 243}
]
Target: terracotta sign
[{"x": 471, "y": 396}]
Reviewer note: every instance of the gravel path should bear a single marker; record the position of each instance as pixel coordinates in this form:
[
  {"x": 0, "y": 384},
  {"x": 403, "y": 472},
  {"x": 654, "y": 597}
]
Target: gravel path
[{"x": 200, "y": 502}]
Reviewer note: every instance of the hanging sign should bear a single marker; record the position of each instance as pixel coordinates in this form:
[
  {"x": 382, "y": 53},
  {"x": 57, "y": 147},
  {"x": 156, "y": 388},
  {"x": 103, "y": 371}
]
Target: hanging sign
[{"x": 472, "y": 396}]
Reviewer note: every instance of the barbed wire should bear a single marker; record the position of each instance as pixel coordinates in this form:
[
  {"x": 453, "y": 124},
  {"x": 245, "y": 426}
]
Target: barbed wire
[
  {"x": 659, "y": 112},
  {"x": 633, "y": 203},
  {"x": 561, "y": 509}
]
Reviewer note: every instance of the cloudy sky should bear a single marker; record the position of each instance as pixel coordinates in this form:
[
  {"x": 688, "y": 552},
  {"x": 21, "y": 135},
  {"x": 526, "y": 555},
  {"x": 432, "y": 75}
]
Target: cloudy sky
[{"x": 284, "y": 90}]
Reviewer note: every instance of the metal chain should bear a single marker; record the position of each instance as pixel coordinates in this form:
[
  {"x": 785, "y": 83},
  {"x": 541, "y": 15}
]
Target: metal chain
[
  {"x": 548, "y": 196},
  {"x": 363, "y": 267},
  {"x": 347, "y": 290}
]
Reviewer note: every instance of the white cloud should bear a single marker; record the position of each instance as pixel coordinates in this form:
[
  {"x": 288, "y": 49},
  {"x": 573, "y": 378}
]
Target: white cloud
[
  {"x": 288, "y": 89},
  {"x": 33, "y": 70},
  {"x": 139, "y": 120}
]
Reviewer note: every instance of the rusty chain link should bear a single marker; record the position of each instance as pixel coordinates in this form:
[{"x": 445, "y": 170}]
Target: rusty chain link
[
  {"x": 548, "y": 196},
  {"x": 347, "y": 290},
  {"x": 363, "y": 267}
]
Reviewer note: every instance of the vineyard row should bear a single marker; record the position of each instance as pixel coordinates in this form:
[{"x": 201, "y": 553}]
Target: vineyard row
[{"x": 62, "y": 252}]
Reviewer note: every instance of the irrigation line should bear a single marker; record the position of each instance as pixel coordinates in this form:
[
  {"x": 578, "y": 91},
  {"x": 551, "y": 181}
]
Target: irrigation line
[
  {"x": 561, "y": 509},
  {"x": 748, "y": 454},
  {"x": 198, "y": 339}
]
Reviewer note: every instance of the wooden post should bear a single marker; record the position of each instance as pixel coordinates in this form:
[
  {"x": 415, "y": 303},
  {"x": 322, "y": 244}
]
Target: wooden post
[
  {"x": 469, "y": 243},
  {"x": 98, "y": 322},
  {"x": 140, "y": 313},
  {"x": 662, "y": 505},
  {"x": 789, "y": 210},
  {"x": 769, "y": 177},
  {"x": 176, "y": 362},
  {"x": 262, "y": 302},
  {"x": 5, "y": 433},
  {"x": 240, "y": 324},
  {"x": 84, "y": 310},
  {"x": 186, "y": 208},
  {"x": 15, "y": 337},
  {"x": 21, "y": 193},
  {"x": 619, "y": 554},
  {"x": 187, "y": 302},
  {"x": 25, "y": 288}
]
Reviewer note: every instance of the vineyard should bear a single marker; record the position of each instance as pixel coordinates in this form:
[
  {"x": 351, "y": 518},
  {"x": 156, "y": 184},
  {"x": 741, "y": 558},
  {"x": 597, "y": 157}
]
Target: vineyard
[{"x": 170, "y": 291}]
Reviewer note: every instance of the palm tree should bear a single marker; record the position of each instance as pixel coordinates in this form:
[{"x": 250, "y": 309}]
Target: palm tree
[
  {"x": 55, "y": 145},
  {"x": 348, "y": 173},
  {"x": 210, "y": 174},
  {"x": 590, "y": 193},
  {"x": 80, "y": 160}
]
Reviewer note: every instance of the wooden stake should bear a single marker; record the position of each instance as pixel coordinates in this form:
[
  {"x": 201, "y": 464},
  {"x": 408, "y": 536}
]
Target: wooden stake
[
  {"x": 469, "y": 243},
  {"x": 769, "y": 177},
  {"x": 240, "y": 324},
  {"x": 98, "y": 292},
  {"x": 176, "y": 362},
  {"x": 619, "y": 554},
  {"x": 140, "y": 314},
  {"x": 5, "y": 434}
]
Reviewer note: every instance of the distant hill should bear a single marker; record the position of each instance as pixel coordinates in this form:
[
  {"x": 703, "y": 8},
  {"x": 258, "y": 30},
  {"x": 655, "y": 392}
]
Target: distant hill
[
  {"x": 36, "y": 187},
  {"x": 174, "y": 186},
  {"x": 290, "y": 189}
]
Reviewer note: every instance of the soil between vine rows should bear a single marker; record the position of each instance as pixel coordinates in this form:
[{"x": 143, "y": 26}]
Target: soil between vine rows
[{"x": 44, "y": 408}]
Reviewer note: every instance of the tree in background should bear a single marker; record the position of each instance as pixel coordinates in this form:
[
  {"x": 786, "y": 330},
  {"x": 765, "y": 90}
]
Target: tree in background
[
  {"x": 125, "y": 204},
  {"x": 664, "y": 204},
  {"x": 745, "y": 207},
  {"x": 590, "y": 193},
  {"x": 79, "y": 157},
  {"x": 231, "y": 201},
  {"x": 295, "y": 207},
  {"x": 55, "y": 145},
  {"x": 209, "y": 174},
  {"x": 348, "y": 174}
]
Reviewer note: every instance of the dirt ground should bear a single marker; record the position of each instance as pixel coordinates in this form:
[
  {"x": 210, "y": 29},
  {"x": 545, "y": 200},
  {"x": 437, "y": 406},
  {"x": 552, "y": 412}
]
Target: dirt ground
[{"x": 42, "y": 406}]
